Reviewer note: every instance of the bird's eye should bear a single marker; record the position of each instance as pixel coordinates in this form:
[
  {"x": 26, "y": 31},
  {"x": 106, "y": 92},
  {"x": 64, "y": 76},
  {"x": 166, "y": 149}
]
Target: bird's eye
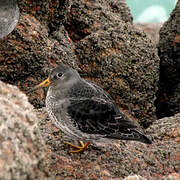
[{"x": 59, "y": 75}]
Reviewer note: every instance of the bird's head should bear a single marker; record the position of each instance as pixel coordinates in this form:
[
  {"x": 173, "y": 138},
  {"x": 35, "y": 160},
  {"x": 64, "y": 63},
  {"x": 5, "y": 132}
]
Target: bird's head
[{"x": 62, "y": 77}]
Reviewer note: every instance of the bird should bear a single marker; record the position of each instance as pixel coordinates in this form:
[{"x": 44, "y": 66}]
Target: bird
[{"x": 84, "y": 111}]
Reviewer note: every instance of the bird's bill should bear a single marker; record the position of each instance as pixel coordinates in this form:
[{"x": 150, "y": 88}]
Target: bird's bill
[{"x": 45, "y": 83}]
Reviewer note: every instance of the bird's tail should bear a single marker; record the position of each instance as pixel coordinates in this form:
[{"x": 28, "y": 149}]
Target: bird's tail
[
  {"x": 131, "y": 134},
  {"x": 141, "y": 137}
]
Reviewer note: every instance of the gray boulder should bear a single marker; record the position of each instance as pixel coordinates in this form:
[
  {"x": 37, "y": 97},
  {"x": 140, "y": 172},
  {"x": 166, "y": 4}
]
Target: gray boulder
[
  {"x": 22, "y": 151},
  {"x": 9, "y": 15}
]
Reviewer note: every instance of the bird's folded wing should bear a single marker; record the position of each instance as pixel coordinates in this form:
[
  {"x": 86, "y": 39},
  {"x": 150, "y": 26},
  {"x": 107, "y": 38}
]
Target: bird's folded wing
[{"x": 97, "y": 116}]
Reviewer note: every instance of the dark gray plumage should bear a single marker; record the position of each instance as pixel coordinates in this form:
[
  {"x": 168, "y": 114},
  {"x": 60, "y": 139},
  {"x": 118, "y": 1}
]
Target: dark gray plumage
[{"x": 84, "y": 111}]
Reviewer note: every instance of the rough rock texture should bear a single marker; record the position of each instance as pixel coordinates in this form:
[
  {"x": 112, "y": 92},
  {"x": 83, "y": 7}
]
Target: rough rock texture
[
  {"x": 23, "y": 49},
  {"x": 28, "y": 53},
  {"x": 125, "y": 62},
  {"x": 86, "y": 17},
  {"x": 116, "y": 159},
  {"x": 96, "y": 36},
  {"x": 21, "y": 146},
  {"x": 51, "y": 13},
  {"x": 173, "y": 176},
  {"x": 168, "y": 101},
  {"x": 114, "y": 54}
]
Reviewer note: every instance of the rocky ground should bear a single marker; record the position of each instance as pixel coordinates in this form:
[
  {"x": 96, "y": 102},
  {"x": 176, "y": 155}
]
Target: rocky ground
[
  {"x": 98, "y": 39},
  {"x": 116, "y": 159},
  {"x": 32, "y": 148}
]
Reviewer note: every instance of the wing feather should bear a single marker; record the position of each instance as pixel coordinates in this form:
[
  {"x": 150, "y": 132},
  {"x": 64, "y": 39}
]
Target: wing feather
[{"x": 97, "y": 116}]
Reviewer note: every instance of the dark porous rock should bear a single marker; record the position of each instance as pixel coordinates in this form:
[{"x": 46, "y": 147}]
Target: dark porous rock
[
  {"x": 33, "y": 48},
  {"x": 61, "y": 50},
  {"x": 125, "y": 62},
  {"x": 86, "y": 17},
  {"x": 168, "y": 101},
  {"x": 22, "y": 149},
  {"x": 23, "y": 49},
  {"x": 115, "y": 159},
  {"x": 97, "y": 36},
  {"x": 111, "y": 52},
  {"x": 24, "y": 53},
  {"x": 51, "y": 13}
]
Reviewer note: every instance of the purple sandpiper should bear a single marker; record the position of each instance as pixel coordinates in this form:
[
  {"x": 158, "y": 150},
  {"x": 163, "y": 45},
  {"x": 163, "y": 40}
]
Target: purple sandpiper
[{"x": 84, "y": 111}]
